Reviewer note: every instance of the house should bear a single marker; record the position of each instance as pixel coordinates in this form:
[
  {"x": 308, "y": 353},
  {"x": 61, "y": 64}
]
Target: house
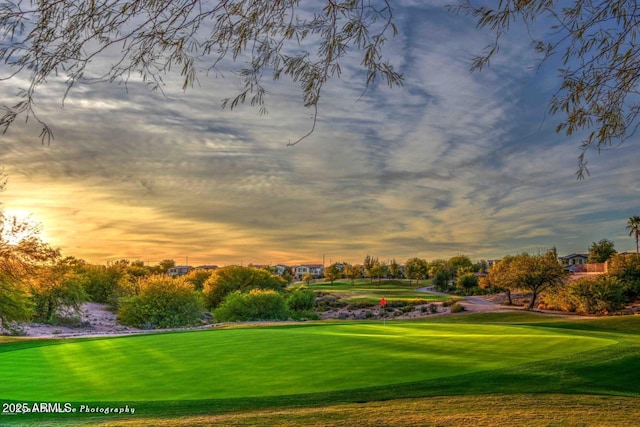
[
  {"x": 573, "y": 259},
  {"x": 279, "y": 269},
  {"x": 316, "y": 270},
  {"x": 179, "y": 270}
]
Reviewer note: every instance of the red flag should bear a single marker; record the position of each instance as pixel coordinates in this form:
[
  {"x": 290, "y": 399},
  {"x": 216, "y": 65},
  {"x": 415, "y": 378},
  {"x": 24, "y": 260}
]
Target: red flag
[{"x": 383, "y": 302}]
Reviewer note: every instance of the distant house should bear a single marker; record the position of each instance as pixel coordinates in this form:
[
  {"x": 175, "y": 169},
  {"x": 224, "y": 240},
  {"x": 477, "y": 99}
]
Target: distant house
[
  {"x": 316, "y": 270},
  {"x": 279, "y": 269},
  {"x": 179, "y": 270},
  {"x": 573, "y": 259}
]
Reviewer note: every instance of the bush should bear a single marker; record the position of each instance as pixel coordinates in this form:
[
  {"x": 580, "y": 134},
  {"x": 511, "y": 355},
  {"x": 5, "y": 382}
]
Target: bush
[
  {"x": 590, "y": 295},
  {"x": 56, "y": 293},
  {"x": 301, "y": 299},
  {"x": 456, "y": 307},
  {"x": 326, "y": 302},
  {"x": 257, "y": 304},
  {"x": 163, "y": 302},
  {"x": 233, "y": 278},
  {"x": 108, "y": 284},
  {"x": 626, "y": 268},
  {"x": 305, "y": 315}
]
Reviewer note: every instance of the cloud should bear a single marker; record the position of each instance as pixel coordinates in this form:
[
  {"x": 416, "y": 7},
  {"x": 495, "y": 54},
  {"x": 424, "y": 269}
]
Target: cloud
[{"x": 450, "y": 163}]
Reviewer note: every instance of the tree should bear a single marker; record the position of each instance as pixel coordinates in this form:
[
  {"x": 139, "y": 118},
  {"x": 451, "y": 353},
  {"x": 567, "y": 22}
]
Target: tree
[
  {"x": 532, "y": 273},
  {"x": 22, "y": 251},
  {"x": 601, "y": 251},
  {"x": 379, "y": 269},
  {"x": 597, "y": 44},
  {"x": 197, "y": 277},
  {"x": 394, "y": 269},
  {"x": 233, "y": 278},
  {"x": 466, "y": 281},
  {"x": 415, "y": 268},
  {"x": 57, "y": 292},
  {"x": 500, "y": 278},
  {"x": 353, "y": 272},
  {"x": 633, "y": 225},
  {"x": 368, "y": 264},
  {"x": 332, "y": 273},
  {"x": 460, "y": 262},
  {"x": 307, "y": 278},
  {"x": 152, "y": 37}
]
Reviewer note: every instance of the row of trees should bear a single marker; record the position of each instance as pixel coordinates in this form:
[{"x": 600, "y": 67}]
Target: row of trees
[{"x": 457, "y": 271}]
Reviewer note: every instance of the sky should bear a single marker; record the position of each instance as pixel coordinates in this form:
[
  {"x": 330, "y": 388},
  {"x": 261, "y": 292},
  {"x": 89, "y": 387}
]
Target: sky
[{"x": 452, "y": 163}]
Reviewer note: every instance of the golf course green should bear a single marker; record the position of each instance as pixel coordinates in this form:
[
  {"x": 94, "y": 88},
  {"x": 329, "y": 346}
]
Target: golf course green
[{"x": 239, "y": 363}]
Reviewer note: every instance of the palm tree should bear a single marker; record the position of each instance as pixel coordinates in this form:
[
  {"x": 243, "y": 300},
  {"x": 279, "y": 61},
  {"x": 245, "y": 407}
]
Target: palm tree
[{"x": 633, "y": 225}]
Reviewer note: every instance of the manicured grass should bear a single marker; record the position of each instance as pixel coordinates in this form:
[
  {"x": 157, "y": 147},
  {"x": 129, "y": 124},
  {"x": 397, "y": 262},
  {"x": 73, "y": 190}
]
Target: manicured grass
[
  {"x": 391, "y": 290},
  {"x": 284, "y": 360},
  {"x": 235, "y": 372}
]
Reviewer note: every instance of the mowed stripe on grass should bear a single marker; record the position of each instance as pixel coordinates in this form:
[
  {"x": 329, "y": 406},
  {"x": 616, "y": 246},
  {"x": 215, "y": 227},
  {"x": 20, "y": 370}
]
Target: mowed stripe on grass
[{"x": 270, "y": 361}]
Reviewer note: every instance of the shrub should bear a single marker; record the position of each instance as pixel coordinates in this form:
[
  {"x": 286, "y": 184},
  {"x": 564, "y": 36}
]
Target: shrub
[
  {"x": 198, "y": 277},
  {"x": 108, "y": 284},
  {"x": 626, "y": 268},
  {"x": 233, "y": 278},
  {"x": 456, "y": 307},
  {"x": 257, "y": 304},
  {"x": 305, "y": 315},
  {"x": 602, "y": 294},
  {"x": 301, "y": 299},
  {"x": 589, "y": 295},
  {"x": 358, "y": 304},
  {"x": 56, "y": 293},
  {"x": 163, "y": 302}
]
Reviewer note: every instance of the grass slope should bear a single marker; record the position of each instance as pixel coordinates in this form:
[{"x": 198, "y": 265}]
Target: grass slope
[{"x": 321, "y": 365}]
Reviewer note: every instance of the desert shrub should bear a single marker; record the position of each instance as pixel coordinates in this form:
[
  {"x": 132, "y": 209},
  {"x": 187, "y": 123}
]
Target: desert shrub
[
  {"x": 57, "y": 293},
  {"x": 326, "y": 302},
  {"x": 589, "y": 295},
  {"x": 162, "y": 302},
  {"x": 198, "y": 277},
  {"x": 456, "y": 307},
  {"x": 107, "y": 284},
  {"x": 358, "y": 304},
  {"x": 626, "y": 269},
  {"x": 300, "y": 299},
  {"x": 602, "y": 294},
  {"x": 407, "y": 309},
  {"x": 257, "y": 304},
  {"x": 449, "y": 302},
  {"x": 233, "y": 278}
]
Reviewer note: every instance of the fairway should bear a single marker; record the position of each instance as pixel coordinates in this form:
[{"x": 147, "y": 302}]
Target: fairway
[{"x": 271, "y": 361}]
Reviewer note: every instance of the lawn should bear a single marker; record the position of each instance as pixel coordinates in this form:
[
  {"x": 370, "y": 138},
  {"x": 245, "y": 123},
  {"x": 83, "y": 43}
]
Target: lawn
[
  {"x": 391, "y": 290},
  {"x": 291, "y": 367}
]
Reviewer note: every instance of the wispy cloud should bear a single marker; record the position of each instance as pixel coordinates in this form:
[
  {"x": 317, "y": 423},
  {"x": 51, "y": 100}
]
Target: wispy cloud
[{"x": 450, "y": 163}]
